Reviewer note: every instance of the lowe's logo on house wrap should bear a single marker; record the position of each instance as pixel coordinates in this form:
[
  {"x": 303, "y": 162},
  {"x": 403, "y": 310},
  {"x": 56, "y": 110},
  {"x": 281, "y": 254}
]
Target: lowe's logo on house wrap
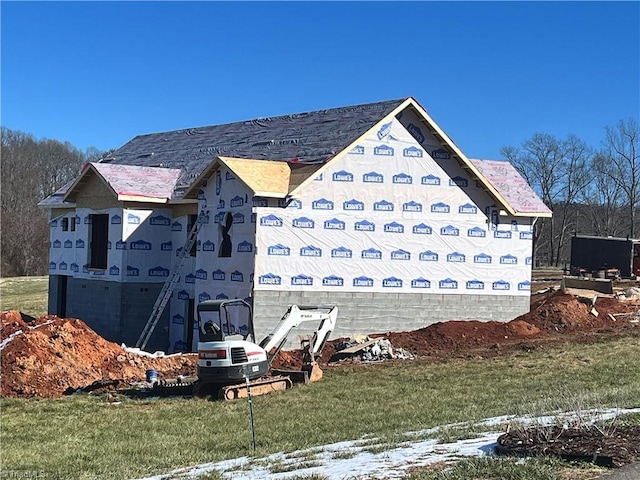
[
  {"x": 303, "y": 222},
  {"x": 524, "y": 286},
  {"x": 430, "y": 180},
  {"x": 440, "y": 207},
  {"x": 475, "y": 285},
  {"x": 319, "y": 177},
  {"x": 508, "y": 260},
  {"x": 412, "y": 152},
  {"x": 334, "y": 224},
  {"x": 322, "y": 204},
  {"x": 364, "y": 226},
  {"x": 420, "y": 283},
  {"x": 270, "y": 221},
  {"x": 237, "y": 276},
  {"x": 229, "y": 176},
  {"x": 416, "y": 132},
  {"x": 448, "y": 284},
  {"x": 269, "y": 279},
  {"x": 506, "y": 234},
  {"x": 450, "y": 230},
  {"x": 176, "y": 227},
  {"x": 203, "y": 297},
  {"x": 456, "y": 257},
  {"x": 238, "y": 218},
  {"x": 133, "y": 219},
  {"x": 177, "y": 320},
  {"x": 295, "y": 203},
  {"x": 87, "y": 220},
  {"x": 400, "y": 255},
  {"x": 391, "y": 282},
  {"x": 132, "y": 271},
  {"x": 183, "y": 295},
  {"x": 160, "y": 220},
  {"x": 191, "y": 278},
  {"x": 353, "y": 204},
  {"x": 201, "y": 274},
  {"x": 477, "y": 232},
  {"x": 158, "y": 272},
  {"x": 310, "y": 251},
  {"x": 383, "y": 206},
  {"x": 357, "y": 150},
  {"x": 116, "y": 220},
  {"x": 254, "y": 217},
  {"x": 114, "y": 270},
  {"x": 279, "y": 250},
  {"x": 428, "y": 256},
  {"x": 422, "y": 229},
  {"x": 63, "y": 266},
  {"x": 261, "y": 202},
  {"x": 301, "y": 279},
  {"x": 245, "y": 247},
  {"x": 527, "y": 261},
  {"x": 403, "y": 178},
  {"x": 208, "y": 246},
  {"x": 468, "y": 208},
  {"x": 121, "y": 245},
  {"x": 203, "y": 217},
  {"x": 482, "y": 258},
  {"x": 333, "y": 281},
  {"x": 140, "y": 245},
  {"x": 383, "y": 151},
  {"x": 236, "y": 201},
  {"x": 526, "y": 235},
  {"x": 221, "y": 204},
  {"x": 373, "y": 177},
  {"x": 341, "y": 252},
  {"x": 440, "y": 154},
  {"x": 501, "y": 285},
  {"x": 342, "y": 176},
  {"x": 371, "y": 254},
  {"x": 164, "y": 247},
  {"x": 363, "y": 281},
  {"x": 52, "y": 266},
  {"x": 394, "y": 227},
  {"x": 458, "y": 181},
  {"x": 57, "y": 243},
  {"x": 218, "y": 275},
  {"x": 412, "y": 206},
  {"x": 384, "y": 130},
  {"x": 74, "y": 267},
  {"x": 201, "y": 195}
]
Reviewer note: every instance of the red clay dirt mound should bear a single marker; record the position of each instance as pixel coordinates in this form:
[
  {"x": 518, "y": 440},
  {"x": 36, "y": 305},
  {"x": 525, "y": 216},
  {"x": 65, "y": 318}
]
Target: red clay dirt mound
[
  {"x": 50, "y": 355},
  {"x": 46, "y": 356}
]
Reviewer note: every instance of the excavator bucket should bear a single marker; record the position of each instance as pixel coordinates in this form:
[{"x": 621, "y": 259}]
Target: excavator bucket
[{"x": 314, "y": 371}]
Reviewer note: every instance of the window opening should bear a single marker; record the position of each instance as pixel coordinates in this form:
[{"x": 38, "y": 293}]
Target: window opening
[
  {"x": 225, "y": 236},
  {"x": 73, "y": 223},
  {"x": 99, "y": 235},
  {"x": 190, "y": 223},
  {"x": 65, "y": 224}
]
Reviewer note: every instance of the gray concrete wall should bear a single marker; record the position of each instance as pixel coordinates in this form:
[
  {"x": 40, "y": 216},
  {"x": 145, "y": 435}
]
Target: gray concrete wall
[
  {"x": 364, "y": 313},
  {"x": 117, "y": 311}
]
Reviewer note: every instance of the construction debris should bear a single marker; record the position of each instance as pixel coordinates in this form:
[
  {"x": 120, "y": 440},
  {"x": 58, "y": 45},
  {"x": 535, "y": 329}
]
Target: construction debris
[{"x": 370, "y": 350}]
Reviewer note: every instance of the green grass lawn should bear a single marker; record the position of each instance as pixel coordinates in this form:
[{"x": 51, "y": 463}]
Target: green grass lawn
[
  {"x": 85, "y": 437},
  {"x": 26, "y": 294}
]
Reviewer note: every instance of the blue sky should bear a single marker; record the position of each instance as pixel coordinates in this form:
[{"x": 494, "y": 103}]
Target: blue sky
[{"x": 489, "y": 73}]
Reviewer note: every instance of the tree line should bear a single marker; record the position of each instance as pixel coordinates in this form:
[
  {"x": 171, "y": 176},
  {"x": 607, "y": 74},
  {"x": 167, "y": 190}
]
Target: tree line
[
  {"x": 590, "y": 190},
  {"x": 31, "y": 170}
]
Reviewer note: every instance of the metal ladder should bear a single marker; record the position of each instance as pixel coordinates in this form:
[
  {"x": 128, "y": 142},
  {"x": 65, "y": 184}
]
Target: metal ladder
[{"x": 167, "y": 288}]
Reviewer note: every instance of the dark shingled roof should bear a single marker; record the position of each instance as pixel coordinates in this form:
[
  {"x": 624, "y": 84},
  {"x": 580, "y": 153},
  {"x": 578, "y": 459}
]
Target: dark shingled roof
[{"x": 309, "y": 138}]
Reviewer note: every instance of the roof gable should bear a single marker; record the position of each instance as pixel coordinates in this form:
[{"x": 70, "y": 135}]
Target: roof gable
[{"x": 129, "y": 183}]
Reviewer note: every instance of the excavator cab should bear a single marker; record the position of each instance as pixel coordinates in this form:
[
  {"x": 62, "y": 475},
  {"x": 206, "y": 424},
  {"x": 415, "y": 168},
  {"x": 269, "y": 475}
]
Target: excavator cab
[{"x": 221, "y": 319}]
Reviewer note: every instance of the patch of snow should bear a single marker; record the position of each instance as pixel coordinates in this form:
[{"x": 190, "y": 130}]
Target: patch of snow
[{"x": 354, "y": 460}]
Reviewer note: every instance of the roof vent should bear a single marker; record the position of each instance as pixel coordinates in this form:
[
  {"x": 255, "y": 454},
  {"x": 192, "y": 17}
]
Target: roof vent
[{"x": 145, "y": 155}]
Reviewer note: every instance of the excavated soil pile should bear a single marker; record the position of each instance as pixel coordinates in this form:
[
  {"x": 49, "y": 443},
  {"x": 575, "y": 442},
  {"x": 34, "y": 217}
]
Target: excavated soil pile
[{"x": 50, "y": 355}]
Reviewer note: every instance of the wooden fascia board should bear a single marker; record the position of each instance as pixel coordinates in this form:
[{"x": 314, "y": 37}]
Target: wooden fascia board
[
  {"x": 349, "y": 147},
  {"x": 141, "y": 199},
  {"x": 466, "y": 163},
  {"x": 87, "y": 170}
]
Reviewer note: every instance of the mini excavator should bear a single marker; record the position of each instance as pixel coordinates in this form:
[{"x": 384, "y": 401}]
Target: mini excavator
[{"x": 231, "y": 362}]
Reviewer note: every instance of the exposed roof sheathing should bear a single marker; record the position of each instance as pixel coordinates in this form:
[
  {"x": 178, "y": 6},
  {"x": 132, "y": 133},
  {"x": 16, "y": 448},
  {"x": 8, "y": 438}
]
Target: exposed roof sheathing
[
  {"x": 506, "y": 180},
  {"x": 130, "y": 183}
]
